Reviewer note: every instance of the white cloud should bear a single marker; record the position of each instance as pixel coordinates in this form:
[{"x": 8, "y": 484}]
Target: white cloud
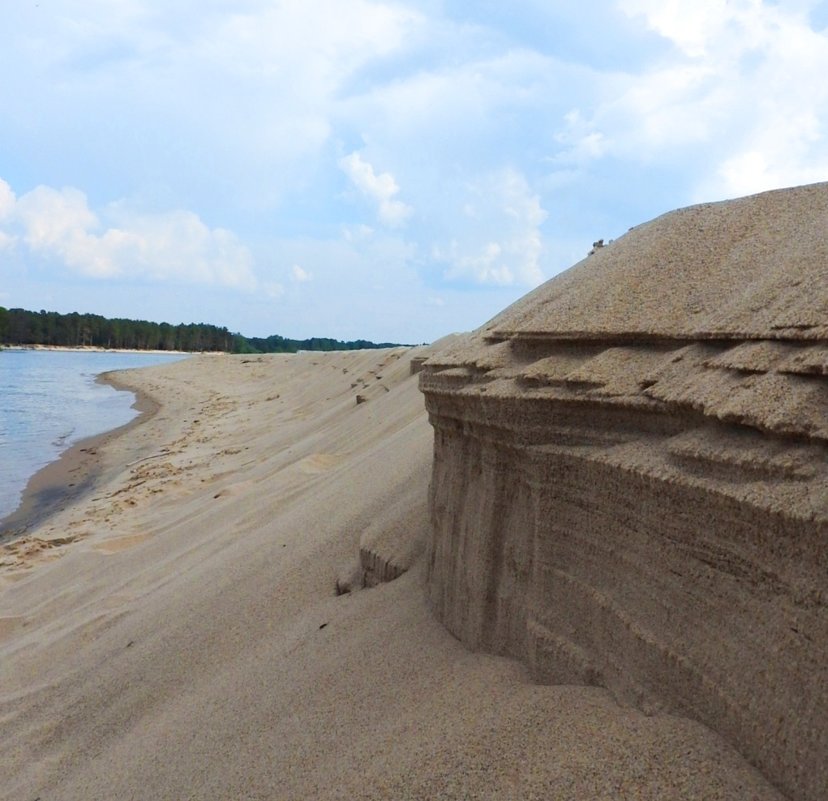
[
  {"x": 381, "y": 189},
  {"x": 465, "y": 111},
  {"x": 256, "y": 81},
  {"x": 8, "y": 203},
  {"x": 693, "y": 27},
  {"x": 7, "y": 200},
  {"x": 59, "y": 221},
  {"x": 299, "y": 275},
  {"x": 273, "y": 290},
  {"x": 752, "y": 170},
  {"x": 357, "y": 233},
  {"x": 174, "y": 246},
  {"x": 501, "y": 241},
  {"x": 745, "y": 81},
  {"x": 579, "y": 141}
]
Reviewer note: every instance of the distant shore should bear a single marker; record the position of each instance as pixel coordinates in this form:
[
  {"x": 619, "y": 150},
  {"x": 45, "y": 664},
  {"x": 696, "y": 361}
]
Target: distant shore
[{"x": 95, "y": 349}]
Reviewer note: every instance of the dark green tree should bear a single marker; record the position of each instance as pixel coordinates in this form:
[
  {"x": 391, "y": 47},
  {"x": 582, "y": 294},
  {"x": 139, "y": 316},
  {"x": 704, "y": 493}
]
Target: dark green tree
[{"x": 22, "y": 327}]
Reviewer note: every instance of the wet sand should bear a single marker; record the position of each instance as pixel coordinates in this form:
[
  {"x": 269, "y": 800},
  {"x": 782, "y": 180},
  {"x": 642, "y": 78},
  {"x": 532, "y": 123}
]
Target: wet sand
[{"x": 70, "y": 477}]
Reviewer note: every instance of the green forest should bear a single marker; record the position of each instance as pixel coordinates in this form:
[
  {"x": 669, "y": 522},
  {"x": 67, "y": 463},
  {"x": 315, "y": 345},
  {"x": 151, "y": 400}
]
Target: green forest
[{"x": 22, "y": 327}]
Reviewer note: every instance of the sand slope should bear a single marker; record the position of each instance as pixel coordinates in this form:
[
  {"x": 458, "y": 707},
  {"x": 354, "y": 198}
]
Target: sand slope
[{"x": 178, "y": 633}]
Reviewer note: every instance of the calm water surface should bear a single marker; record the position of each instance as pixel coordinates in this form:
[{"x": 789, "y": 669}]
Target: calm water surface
[{"x": 48, "y": 401}]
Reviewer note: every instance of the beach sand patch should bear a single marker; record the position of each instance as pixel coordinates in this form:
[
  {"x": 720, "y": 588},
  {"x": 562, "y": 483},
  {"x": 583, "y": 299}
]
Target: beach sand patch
[
  {"x": 9, "y": 625},
  {"x": 319, "y": 463},
  {"x": 117, "y": 544}
]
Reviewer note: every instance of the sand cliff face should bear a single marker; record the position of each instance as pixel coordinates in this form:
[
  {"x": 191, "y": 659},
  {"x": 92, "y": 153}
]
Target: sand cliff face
[{"x": 630, "y": 484}]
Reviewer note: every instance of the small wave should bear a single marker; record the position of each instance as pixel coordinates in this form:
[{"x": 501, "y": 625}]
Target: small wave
[{"x": 61, "y": 440}]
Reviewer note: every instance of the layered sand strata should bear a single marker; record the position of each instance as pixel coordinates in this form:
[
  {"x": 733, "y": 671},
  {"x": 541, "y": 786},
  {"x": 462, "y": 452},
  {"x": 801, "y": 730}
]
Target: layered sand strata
[
  {"x": 630, "y": 485},
  {"x": 178, "y": 633}
]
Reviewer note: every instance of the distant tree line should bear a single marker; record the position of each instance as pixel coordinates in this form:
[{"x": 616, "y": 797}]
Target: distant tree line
[
  {"x": 277, "y": 344},
  {"x": 22, "y": 327}
]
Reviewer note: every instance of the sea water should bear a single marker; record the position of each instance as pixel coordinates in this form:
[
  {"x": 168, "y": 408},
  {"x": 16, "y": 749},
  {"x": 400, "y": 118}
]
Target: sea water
[{"x": 49, "y": 400}]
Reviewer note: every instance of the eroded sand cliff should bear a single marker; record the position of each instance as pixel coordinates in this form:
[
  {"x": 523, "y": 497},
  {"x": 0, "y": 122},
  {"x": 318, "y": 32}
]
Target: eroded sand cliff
[{"x": 630, "y": 486}]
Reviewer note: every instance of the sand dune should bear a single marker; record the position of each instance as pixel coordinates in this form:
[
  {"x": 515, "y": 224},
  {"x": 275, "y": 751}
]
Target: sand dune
[
  {"x": 630, "y": 479},
  {"x": 186, "y": 630}
]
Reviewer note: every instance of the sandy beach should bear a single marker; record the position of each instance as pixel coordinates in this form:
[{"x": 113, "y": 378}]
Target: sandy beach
[{"x": 178, "y": 633}]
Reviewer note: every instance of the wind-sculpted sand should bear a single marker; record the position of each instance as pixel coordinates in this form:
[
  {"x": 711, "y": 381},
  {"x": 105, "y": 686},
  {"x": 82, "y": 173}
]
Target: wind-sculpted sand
[
  {"x": 217, "y": 620},
  {"x": 630, "y": 479}
]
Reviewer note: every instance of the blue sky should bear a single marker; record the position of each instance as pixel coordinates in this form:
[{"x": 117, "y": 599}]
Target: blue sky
[{"x": 387, "y": 170}]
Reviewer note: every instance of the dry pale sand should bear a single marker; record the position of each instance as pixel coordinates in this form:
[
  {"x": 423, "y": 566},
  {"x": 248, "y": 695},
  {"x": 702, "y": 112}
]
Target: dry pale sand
[{"x": 176, "y": 634}]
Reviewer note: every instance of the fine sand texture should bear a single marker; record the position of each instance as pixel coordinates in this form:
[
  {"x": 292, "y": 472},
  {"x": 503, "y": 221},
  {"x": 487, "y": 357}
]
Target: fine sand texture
[
  {"x": 238, "y": 611},
  {"x": 630, "y": 477}
]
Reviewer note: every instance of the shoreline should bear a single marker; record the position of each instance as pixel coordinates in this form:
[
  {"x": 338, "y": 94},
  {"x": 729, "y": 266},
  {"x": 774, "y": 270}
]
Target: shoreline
[
  {"x": 74, "y": 474},
  {"x": 95, "y": 349}
]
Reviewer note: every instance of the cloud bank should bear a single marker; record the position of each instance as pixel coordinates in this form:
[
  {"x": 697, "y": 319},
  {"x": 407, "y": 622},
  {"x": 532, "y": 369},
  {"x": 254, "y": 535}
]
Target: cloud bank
[
  {"x": 400, "y": 151},
  {"x": 176, "y": 247}
]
